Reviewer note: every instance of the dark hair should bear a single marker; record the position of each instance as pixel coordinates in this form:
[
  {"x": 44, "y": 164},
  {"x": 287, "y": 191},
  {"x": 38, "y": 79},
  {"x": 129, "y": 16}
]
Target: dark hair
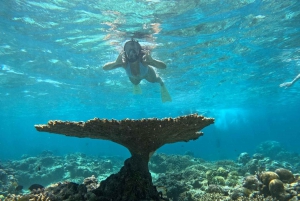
[{"x": 134, "y": 43}]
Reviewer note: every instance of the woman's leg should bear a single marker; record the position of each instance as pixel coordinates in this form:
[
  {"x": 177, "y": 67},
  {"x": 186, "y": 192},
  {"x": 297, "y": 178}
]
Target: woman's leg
[
  {"x": 135, "y": 81},
  {"x": 136, "y": 87},
  {"x": 152, "y": 77}
]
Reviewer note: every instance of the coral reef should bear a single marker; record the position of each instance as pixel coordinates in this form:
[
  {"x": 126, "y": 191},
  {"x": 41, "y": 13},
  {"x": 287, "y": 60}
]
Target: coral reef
[
  {"x": 142, "y": 138},
  {"x": 57, "y": 192},
  {"x": 251, "y": 182},
  {"x": 275, "y": 150},
  {"x": 47, "y": 168},
  {"x": 202, "y": 180},
  {"x": 8, "y": 181},
  {"x": 190, "y": 179},
  {"x": 160, "y": 163},
  {"x": 269, "y": 148}
]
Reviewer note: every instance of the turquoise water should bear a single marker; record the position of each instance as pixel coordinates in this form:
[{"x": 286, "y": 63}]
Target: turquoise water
[{"x": 225, "y": 59}]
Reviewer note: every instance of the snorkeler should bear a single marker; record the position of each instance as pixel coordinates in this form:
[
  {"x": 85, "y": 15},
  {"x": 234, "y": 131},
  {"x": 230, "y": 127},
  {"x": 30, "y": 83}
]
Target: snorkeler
[
  {"x": 288, "y": 84},
  {"x": 137, "y": 64}
]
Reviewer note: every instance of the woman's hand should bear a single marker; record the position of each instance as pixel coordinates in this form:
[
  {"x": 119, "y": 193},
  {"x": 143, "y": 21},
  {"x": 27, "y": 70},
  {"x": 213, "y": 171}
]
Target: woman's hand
[
  {"x": 286, "y": 84},
  {"x": 119, "y": 60},
  {"x": 115, "y": 64},
  {"x": 147, "y": 58}
]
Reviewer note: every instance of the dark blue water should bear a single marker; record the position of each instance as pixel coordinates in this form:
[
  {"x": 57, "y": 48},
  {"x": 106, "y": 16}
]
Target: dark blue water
[{"x": 225, "y": 59}]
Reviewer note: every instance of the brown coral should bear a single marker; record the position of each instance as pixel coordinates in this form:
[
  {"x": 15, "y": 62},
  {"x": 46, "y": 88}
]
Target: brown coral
[
  {"x": 285, "y": 175},
  {"x": 267, "y": 176},
  {"x": 142, "y": 138},
  {"x": 139, "y": 136},
  {"x": 276, "y": 187}
]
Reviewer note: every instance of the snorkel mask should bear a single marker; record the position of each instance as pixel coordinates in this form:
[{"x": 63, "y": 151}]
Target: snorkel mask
[{"x": 132, "y": 50}]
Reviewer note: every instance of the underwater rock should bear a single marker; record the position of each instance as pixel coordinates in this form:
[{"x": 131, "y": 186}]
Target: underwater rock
[{"x": 142, "y": 138}]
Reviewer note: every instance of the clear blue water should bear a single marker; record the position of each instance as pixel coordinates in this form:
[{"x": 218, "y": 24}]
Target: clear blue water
[{"x": 225, "y": 59}]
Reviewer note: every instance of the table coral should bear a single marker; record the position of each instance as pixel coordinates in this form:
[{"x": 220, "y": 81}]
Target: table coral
[{"x": 142, "y": 138}]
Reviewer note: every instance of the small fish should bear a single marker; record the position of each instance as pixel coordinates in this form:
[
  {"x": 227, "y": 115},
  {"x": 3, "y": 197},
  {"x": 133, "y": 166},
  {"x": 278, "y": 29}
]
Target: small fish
[
  {"x": 35, "y": 186},
  {"x": 38, "y": 168},
  {"x": 19, "y": 188}
]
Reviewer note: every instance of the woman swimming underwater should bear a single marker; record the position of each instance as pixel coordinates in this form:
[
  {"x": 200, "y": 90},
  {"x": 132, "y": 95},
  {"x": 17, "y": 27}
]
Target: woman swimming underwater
[{"x": 137, "y": 64}]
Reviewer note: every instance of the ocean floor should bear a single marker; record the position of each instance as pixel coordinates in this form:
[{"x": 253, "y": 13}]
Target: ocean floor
[{"x": 270, "y": 174}]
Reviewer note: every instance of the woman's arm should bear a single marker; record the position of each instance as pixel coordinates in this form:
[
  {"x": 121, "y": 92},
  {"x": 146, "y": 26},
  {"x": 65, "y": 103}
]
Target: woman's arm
[
  {"x": 115, "y": 64},
  {"x": 288, "y": 84},
  {"x": 153, "y": 62},
  {"x": 158, "y": 64},
  {"x": 296, "y": 78}
]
